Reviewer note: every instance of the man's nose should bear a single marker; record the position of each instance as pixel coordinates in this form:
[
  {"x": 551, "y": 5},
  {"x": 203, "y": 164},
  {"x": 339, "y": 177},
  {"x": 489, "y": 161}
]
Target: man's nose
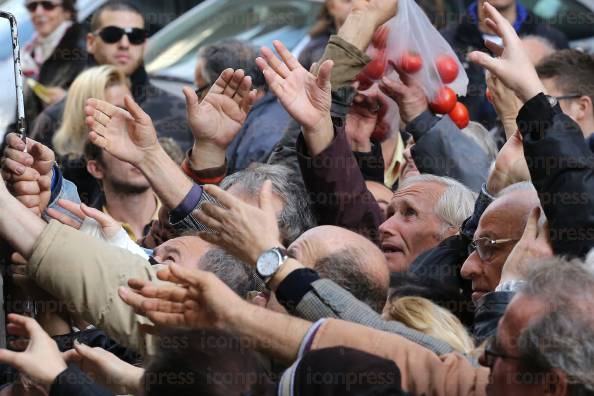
[
  {"x": 124, "y": 42},
  {"x": 471, "y": 267}
]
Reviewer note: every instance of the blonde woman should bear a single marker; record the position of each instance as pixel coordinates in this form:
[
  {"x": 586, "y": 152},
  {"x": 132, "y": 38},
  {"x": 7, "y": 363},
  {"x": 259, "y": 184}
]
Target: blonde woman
[
  {"x": 100, "y": 82},
  {"x": 431, "y": 319}
]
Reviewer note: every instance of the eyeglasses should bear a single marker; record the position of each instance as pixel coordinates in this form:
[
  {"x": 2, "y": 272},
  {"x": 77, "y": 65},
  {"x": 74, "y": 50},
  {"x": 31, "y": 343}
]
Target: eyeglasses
[
  {"x": 46, "y": 5},
  {"x": 113, "y": 34},
  {"x": 485, "y": 247},
  {"x": 568, "y": 97},
  {"x": 493, "y": 352}
]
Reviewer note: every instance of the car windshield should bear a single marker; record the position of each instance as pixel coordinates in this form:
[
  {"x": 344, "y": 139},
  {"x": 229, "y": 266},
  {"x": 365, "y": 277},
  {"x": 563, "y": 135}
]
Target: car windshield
[{"x": 256, "y": 21}]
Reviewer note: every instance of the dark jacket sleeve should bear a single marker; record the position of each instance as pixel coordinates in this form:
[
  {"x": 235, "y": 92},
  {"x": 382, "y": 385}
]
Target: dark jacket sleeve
[
  {"x": 337, "y": 188},
  {"x": 562, "y": 170},
  {"x": 73, "y": 382},
  {"x": 489, "y": 309},
  {"x": 442, "y": 150}
]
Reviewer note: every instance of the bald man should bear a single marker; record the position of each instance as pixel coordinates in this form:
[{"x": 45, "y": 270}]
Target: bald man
[{"x": 345, "y": 257}]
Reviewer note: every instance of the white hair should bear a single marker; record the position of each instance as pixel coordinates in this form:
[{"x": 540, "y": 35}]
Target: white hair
[{"x": 455, "y": 205}]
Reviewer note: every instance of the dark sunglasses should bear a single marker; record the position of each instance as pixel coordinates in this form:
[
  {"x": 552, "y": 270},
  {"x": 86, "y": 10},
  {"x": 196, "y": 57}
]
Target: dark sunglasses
[
  {"x": 113, "y": 34},
  {"x": 46, "y": 5},
  {"x": 494, "y": 352}
]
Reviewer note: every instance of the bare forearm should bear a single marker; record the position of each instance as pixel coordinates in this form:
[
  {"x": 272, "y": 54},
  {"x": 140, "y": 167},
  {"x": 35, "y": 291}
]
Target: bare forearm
[
  {"x": 273, "y": 333},
  {"x": 206, "y": 156},
  {"x": 167, "y": 179},
  {"x": 320, "y": 137},
  {"x": 18, "y": 225}
]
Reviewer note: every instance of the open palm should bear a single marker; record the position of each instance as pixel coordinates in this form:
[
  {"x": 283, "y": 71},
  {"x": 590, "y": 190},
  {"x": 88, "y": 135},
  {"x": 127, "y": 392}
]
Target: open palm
[
  {"x": 306, "y": 98},
  {"x": 127, "y": 135},
  {"x": 222, "y": 113}
]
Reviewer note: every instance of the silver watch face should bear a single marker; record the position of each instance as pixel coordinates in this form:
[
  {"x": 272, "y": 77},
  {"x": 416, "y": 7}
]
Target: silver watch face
[{"x": 268, "y": 263}]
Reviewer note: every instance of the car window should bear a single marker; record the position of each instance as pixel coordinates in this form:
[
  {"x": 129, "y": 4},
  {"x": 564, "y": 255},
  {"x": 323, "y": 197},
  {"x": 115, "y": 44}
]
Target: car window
[
  {"x": 569, "y": 16},
  {"x": 257, "y": 21}
]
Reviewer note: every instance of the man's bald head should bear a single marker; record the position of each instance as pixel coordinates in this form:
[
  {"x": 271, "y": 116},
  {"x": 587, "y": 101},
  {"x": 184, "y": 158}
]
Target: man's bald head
[{"x": 346, "y": 258}]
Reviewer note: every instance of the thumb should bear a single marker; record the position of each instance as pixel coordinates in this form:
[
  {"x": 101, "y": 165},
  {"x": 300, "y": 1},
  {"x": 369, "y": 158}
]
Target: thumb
[
  {"x": 392, "y": 88},
  {"x": 72, "y": 355},
  {"x": 484, "y": 60},
  {"x": 324, "y": 74},
  {"x": 266, "y": 197},
  {"x": 531, "y": 230},
  {"x": 10, "y": 358},
  {"x": 41, "y": 153},
  {"x": 191, "y": 98},
  {"x": 134, "y": 109}
]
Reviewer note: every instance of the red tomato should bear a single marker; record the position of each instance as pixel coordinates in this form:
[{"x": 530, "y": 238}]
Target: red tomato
[
  {"x": 447, "y": 67},
  {"x": 489, "y": 95},
  {"x": 381, "y": 131},
  {"x": 444, "y": 101},
  {"x": 410, "y": 62},
  {"x": 380, "y": 37},
  {"x": 377, "y": 67},
  {"x": 460, "y": 115},
  {"x": 364, "y": 82}
]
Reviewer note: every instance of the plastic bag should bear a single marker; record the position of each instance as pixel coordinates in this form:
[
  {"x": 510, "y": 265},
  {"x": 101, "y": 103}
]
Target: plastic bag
[{"x": 412, "y": 43}]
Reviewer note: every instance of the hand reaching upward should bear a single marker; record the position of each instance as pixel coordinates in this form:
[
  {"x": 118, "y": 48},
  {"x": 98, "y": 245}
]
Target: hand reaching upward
[
  {"x": 127, "y": 135},
  {"x": 306, "y": 98}
]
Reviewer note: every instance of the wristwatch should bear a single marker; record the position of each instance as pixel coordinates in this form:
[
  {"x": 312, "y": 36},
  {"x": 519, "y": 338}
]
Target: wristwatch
[
  {"x": 270, "y": 262},
  {"x": 552, "y": 100}
]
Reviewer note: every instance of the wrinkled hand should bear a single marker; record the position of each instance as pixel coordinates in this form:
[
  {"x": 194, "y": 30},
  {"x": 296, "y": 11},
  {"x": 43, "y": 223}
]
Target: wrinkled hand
[
  {"x": 381, "y": 10},
  {"x": 407, "y": 93},
  {"x": 204, "y": 301},
  {"x": 362, "y": 120},
  {"x": 306, "y": 98},
  {"x": 109, "y": 226},
  {"x": 127, "y": 135},
  {"x": 243, "y": 230},
  {"x": 106, "y": 368},
  {"x": 41, "y": 360},
  {"x": 220, "y": 116},
  {"x": 29, "y": 175},
  {"x": 533, "y": 245},
  {"x": 506, "y": 103},
  {"x": 512, "y": 65},
  {"x": 510, "y": 166}
]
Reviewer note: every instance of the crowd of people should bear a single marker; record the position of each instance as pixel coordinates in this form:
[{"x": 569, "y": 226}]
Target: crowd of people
[{"x": 259, "y": 239}]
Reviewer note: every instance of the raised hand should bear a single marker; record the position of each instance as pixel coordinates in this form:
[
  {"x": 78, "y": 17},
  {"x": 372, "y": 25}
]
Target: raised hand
[
  {"x": 28, "y": 174},
  {"x": 41, "y": 360},
  {"x": 221, "y": 114},
  {"x": 306, "y": 98},
  {"x": 127, "y": 135},
  {"x": 381, "y": 10},
  {"x": 533, "y": 245},
  {"x": 244, "y": 230},
  {"x": 120, "y": 377},
  {"x": 407, "y": 93},
  {"x": 510, "y": 166},
  {"x": 204, "y": 301},
  {"x": 512, "y": 65},
  {"x": 506, "y": 104},
  {"x": 109, "y": 226}
]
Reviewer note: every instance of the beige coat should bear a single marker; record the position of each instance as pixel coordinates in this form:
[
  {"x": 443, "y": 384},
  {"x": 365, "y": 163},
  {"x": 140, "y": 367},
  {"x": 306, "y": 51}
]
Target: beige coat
[{"x": 85, "y": 273}]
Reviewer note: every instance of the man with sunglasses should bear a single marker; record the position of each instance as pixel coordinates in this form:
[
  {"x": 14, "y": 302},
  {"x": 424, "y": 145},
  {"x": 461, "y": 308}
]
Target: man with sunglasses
[
  {"x": 568, "y": 76},
  {"x": 118, "y": 38}
]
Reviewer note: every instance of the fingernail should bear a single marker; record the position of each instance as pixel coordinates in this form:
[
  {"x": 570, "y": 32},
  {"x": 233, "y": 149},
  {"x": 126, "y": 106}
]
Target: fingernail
[{"x": 20, "y": 170}]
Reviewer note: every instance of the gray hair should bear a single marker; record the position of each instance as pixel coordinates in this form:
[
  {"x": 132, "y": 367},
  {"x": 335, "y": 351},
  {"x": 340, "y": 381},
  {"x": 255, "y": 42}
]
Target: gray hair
[
  {"x": 455, "y": 205},
  {"x": 564, "y": 337},
  {"x": 297, "y": 215},
  {"x": 346, "y": 269},
  {"x": 231, "y": 53},
  {"x": 233, "y": 272},
  {"x": 480, "y": 135}
]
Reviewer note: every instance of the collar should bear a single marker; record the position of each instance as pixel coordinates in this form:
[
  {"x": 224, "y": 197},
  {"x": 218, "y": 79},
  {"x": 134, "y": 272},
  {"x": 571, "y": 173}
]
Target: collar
[
  {"x": 521, "y": 11},
  {"x": 127, "y": 226}
]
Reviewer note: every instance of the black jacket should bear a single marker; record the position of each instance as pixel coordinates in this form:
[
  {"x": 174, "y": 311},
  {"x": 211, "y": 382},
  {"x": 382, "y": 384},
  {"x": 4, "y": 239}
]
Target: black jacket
[
  {"x": 562, "y": 170},
  {"x": 73, "y": 382},
  {"x": 489, "y": 310},
  {"x": 168, "y": 113},
  {"x": 465, "y": 37},
  {"x": 60, "y": 69}
]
